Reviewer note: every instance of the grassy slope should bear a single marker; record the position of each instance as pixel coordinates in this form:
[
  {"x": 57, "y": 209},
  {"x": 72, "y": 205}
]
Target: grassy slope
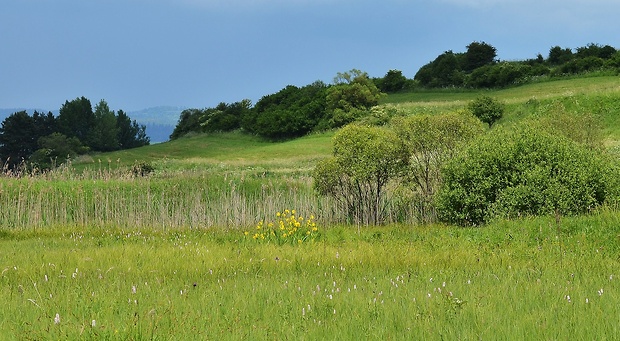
[
  {"x": 528, "y": 279},
  {"x": 242, "y": 150}
]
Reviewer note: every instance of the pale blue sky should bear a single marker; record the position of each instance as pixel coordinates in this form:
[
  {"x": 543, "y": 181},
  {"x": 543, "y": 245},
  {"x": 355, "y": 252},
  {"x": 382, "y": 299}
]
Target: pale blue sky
[{"x": 196, "y": 53}]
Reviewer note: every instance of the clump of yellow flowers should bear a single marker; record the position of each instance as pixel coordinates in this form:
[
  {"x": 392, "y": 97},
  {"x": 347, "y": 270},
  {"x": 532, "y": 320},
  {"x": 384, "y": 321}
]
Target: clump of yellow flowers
[{"x": 288, "y": 227}]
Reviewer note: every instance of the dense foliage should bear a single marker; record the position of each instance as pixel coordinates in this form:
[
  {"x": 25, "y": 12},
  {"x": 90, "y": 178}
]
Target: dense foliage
[
  {"x": 431, "y": 141},
  {"x": 43, "y": 140},
  {"x": 224, "y": 117},
  {"x": 293, "y": 111},
  {"x": 522, "y": 171},
  {"x": 487, "y": 109},
  {"x": 365, "y": 160},
  {"x": 478, "y": 68}
]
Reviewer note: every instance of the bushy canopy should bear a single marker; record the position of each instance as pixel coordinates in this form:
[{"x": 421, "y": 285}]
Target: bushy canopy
[{"x": 522, "y": 171}]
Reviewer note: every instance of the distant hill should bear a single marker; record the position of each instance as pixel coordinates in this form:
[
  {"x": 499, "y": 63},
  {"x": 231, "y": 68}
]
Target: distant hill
[{"x": 159, "y": 121}]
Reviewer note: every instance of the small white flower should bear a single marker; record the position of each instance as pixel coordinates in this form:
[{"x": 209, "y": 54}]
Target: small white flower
[
  {"x": 93, "y": 323},
  {"x": 133, "y": 289},
  {"x": 57, "y": 319}
]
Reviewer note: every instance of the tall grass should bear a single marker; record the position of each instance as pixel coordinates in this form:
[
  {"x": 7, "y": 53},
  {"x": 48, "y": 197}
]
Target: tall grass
[{"x": 529, "y": 279}]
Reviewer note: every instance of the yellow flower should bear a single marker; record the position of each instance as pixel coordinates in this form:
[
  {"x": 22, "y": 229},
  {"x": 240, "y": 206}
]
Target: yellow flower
[
  {"x": 278, "y": 214},
  {"x": 246, "y": 233},
  {"x": 293, "y": 212}
]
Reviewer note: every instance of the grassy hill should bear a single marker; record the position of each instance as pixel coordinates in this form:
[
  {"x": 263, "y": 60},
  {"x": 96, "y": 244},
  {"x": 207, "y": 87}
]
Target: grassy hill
[
  {"x": 599, "y": 95},
  {"x": 172, "y": 256}
]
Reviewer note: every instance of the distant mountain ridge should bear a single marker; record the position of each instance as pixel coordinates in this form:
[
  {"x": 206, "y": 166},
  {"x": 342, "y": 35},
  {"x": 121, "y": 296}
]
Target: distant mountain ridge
[{"x": 159, "y": 121}]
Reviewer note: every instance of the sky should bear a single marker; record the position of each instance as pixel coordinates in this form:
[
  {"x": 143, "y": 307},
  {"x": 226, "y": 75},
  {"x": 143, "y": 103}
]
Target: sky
[{"x": 137, "y": 54}]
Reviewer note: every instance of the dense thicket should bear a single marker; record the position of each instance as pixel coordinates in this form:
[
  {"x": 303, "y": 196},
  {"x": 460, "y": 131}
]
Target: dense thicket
[
  {"x": 479, "y": 68},
  {"x": 43, "y": 140},
  {"x": 291, "y": 112},
  {"x": 522, "y": 171}
]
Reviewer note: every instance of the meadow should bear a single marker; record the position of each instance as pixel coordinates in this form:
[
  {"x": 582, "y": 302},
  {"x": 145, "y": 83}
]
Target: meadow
[{"x": 92, "y": 252}]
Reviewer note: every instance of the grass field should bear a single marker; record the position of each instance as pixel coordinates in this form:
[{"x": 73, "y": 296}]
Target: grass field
[{"x": 90, "y": 252}]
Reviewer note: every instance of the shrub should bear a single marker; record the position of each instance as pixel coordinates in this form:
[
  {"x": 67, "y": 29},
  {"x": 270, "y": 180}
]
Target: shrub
[
  {"x": 522, "y": 171},
  {"x": 142, "y": 169},
  {"x": 431, "y": 141},
  {"x": 364, "y": 160},
  {"x": 487, "y": 109}
]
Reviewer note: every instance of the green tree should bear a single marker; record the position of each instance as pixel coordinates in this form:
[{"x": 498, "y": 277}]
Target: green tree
[
  {"x": 487, "y": 109},
  {"x": 393, "y": 81},
  {"x": 17, "y": 139},
  {"x": 478, "y": 54},
  {"x": 558, "y": 55},
  {"x": 291, "y": 112},
  {"x": 56, "y": 149},
  {"x": 446, "y": 70},
  {"x": 104, "y": 134},
  {"x": 76, "y": 119},
  {"x": 364, "y": 161},
  {"x": 225, "y": 117},
  {"x": 352, "y": 94},
  {"x": 431, "y": 141},
  {"x": 189, "y": 121},
  {"x": 130, "y": 133}
]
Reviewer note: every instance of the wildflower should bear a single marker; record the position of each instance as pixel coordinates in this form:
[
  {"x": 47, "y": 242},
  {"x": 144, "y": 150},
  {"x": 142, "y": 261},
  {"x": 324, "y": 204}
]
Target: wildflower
[
  {"x": 133, "y": 289},
  {"x": 278, "y": 214},
  {"x": 93, "y": 323},
  {"x": 57, "y": 319},
  {"x": 600, "y": 292}
]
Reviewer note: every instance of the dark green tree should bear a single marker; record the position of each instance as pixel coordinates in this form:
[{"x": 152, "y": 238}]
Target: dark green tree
[
  {"x": 76, "y": 119},
  {"x": 104, "y": 134},
  {"x": 394, "y": 81},
  {"x": 130, "y": 133},
  {"x": 56, "y": 149},
  {"x": 289, "y": 113},
  {"x": 478, "y": 54},
  {"x": 18, "y": 139},
  {"x": 558, "y": 55},
  {"x": 189, "y": 121},
  {"x": 446, "y": 70},
  {"x": 225, "y": 117}
]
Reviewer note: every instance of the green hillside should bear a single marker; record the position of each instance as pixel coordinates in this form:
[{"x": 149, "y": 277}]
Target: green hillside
[{"x": 598, "y": 95}]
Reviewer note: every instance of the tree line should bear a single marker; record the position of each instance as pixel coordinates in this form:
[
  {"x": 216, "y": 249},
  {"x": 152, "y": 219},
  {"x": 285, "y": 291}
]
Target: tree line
[
  {"x": 295, "y": 111},
  {"x": 291, "y": 112},
  {"x": 479, "y": 67},
  {"x": 41, "y": 141}
]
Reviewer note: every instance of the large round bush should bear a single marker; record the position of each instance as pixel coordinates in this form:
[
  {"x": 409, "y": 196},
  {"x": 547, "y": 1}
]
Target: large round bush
[{"x": 521, "y": 171}]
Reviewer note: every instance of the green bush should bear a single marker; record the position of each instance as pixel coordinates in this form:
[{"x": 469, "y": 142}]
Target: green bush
[
  {"x": 487, "y": 109},
  {"x": 364, "y": 161},
  {"x": 522, "y": 171}
]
